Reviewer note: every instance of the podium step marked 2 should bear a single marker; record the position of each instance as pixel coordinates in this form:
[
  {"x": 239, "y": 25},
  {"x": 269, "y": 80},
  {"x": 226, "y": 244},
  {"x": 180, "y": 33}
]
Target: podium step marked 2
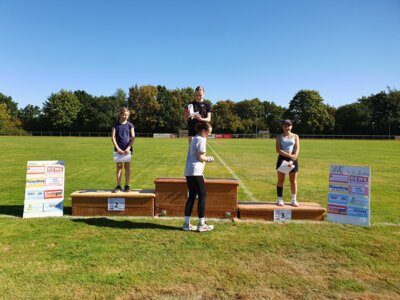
[{"x": 95, "y": 203}]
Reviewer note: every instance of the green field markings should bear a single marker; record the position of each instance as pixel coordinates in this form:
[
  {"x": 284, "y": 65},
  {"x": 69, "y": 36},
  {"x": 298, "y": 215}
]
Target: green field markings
[{"x": 241, "y": 184}]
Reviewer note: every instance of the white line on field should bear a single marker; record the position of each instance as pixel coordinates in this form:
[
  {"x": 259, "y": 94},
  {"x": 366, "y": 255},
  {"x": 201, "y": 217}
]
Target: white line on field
[{"x": 244, "y": 187}]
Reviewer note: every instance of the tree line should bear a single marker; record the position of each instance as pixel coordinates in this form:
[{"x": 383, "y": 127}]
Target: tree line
[{"x": 158, "y": 109}]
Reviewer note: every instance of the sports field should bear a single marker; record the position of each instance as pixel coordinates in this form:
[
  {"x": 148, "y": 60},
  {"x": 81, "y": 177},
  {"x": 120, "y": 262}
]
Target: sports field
[{"x": 152, "y": 258}]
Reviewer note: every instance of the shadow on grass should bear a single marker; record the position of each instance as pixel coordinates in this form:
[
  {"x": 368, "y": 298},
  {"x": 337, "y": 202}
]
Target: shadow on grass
[
  {"x": 104, "y": 222},
  {"x": 12, "y": 210}
]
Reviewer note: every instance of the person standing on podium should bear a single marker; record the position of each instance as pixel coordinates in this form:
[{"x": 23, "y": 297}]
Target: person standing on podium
[
  {"x": 198, "y": 111},
  {"x": 288, "y": 147},
  {"x": 195, "y": 163}
]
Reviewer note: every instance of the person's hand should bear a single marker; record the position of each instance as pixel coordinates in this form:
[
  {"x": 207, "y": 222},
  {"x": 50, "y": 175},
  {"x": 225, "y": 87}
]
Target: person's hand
[
  {"x": 120, "y": 151},
  {"x": 126, "y": 152},
  {"x": 210, "y": 159},
  {"x": 186, "y": 114},
  {"x": 293, "y": 156},
  {"x": 197, "y": 116},
  {"x": 290, "y": 163}
]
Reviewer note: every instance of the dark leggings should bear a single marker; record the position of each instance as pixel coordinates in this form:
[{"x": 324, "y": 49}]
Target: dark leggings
[{"x": 196, "y": 187}]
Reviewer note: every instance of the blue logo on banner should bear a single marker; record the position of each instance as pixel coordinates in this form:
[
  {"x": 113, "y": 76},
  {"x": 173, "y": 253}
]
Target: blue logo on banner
[
  {"x": 338, "y": 199},
  {"x": 357, "y": 212}
]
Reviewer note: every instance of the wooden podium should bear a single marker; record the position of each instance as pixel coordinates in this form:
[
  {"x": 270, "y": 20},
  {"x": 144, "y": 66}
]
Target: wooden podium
[
  {"x": 265, "y": 211},
  {"x": 96, "y": 203},
  {"x": 172, "y": 193}
]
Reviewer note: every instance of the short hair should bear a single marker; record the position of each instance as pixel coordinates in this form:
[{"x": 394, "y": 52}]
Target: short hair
[
  {"x": 203, "y": 126},
  {"x": 199, "y": 88},
  {"x": 123, "y": 110}
]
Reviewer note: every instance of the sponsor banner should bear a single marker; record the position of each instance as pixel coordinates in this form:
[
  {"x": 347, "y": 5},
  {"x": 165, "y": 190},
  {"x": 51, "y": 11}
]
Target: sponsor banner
[
  {"x": 337, "y": 209},
  {"x": 52, "y": 194},
  {"x": 358, "y": 190},
  {"x": 349, "y": 195},
  {"x": 340, "y": 188},
  {"x": 34, "y": 194},
  {"x": 338, "y": 178},
  {"x": 360, "y": 212},
  {"x": 52, "y": 206},
  {"x": 35, "y": 182},
  {"x": 35, "y": 170},
  {"x": 358, "y": 179},
  {"x": 55, "y": 170},
  {"x": 54, "y": 181},
  {"x": 337, "y": 198},
  {"x": 223, "y": 136},
  {"x": 44, "y": 189},
  {"x": 359, "y": 201}
]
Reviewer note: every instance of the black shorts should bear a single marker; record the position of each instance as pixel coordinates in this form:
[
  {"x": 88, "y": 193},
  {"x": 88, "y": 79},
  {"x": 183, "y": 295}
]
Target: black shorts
[{"x": 282, "y": 158}]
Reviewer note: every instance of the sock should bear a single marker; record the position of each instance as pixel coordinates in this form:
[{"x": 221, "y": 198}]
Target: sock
[
  {"x": 279, "y": 191},
  {"x": 202, "y": 221},
  {"x": 187, "y": 220},
  {"x": 280, "y": 198},
  {"x": 293, "y": 197}
]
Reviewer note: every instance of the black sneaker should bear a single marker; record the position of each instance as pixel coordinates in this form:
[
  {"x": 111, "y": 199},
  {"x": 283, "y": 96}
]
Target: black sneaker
[
  {"x": 127, "y": 189},
  {"x": 117, "y": 189}
]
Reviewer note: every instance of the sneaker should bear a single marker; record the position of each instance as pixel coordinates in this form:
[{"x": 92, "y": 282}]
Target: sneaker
[
  {"x": 205, "y": 227},
  {"x": 127, "y": 189},
  {"x": 189, "y": 227},
  {"x": 295, "y": 203},
  {"x": 117, "y": 189},
  {"x": 280, "y": 202}
]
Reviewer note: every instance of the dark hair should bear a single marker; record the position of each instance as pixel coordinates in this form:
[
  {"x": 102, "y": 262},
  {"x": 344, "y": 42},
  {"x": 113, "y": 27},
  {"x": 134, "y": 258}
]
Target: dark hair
[
  {"x": 203, "y": 126},
  {"x": 287, "y": 121},
  {"x": 199, "y": 88}
]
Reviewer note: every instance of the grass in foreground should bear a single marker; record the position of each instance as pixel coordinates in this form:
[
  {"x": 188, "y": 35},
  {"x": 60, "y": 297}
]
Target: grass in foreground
[{"x": 152, "y": 258}]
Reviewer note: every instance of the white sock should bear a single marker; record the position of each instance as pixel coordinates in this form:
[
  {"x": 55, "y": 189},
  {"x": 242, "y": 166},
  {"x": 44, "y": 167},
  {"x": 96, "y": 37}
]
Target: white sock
[
  {"x": 280, "y": 199},
  {"x": 293, "y": 197},
  {"x": 202, "y": 221},
  {"x": 187, "y": 220}
]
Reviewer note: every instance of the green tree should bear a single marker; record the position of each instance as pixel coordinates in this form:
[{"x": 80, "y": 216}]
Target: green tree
[
  {"x": 61, "y": 110},
  {"x": 12, "y": 107},
  {"x": 31, "y": 116},
  {"x": 385, "y": 111},
  {"x": 224, "y": 119},
  {"x": 144, "y": 107},
  {"x": 274, "y": 115},
  {"x": 121, "y": 97},
  {"x": 309, "y": 113},
  {"x": 353, "y": 118}
]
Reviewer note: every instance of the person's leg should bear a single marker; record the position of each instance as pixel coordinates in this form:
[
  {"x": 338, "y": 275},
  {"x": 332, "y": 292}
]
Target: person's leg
[
  {"x": 127, "y": 176},
  {"x": 201, "y": 192},
  {"x": 119, "y": 175},
  {"x": 191, "y": 184},
  {"x": 293, "y": 187},
  {"x": 279, "y": 188}
]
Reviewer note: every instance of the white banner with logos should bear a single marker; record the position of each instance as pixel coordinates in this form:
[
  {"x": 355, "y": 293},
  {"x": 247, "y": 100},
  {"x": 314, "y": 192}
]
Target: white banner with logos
[
  {"x": 349, "y": 195},
  {"x": 44, "y": 189}
]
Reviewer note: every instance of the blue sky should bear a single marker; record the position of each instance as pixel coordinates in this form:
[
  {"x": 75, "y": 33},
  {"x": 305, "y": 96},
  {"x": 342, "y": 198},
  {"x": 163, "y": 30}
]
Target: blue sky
[{"x": 237, "y": 50}]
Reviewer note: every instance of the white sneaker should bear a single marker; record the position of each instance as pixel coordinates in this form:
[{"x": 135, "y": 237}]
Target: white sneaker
[
  {"x": 280, "y": 202},
  {"x": 205, "y": 227},
  {"x": 189, "y": 227},
  {"x": 295, "y": 203}
]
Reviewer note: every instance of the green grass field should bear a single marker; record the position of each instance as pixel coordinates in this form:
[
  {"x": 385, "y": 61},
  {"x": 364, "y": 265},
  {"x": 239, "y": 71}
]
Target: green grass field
[{"x": 134, "y": 258}]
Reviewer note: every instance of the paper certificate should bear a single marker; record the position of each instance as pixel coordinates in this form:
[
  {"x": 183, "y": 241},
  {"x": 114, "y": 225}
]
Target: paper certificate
[
  {"x": 122, "y": 157},
  {"x": 285, "y": 168}
]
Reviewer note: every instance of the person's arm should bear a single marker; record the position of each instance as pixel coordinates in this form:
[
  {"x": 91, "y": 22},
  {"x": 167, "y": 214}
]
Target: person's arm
[
  {"x": 203, "y": 158},
  {"x": 297, "y": 148},
  {"x": 186, "y": 114},
  {"x": 114, "y": 141},
  {"x": 132, "y": 134},
  {"x": 278, "y": 148}
]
